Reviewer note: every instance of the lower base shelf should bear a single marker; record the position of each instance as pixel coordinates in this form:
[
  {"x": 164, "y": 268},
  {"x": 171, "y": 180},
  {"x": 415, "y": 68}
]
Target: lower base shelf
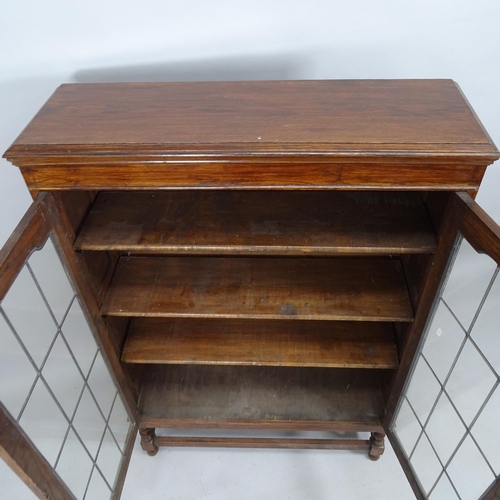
[
  {"x": 375, "y": 446},
  {"x": 272, "y": 398}
]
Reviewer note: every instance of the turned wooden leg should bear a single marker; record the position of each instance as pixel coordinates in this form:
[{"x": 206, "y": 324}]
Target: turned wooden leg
[
  {"x": 148, "y": 441},
  {"x": 377, "y": 445}
]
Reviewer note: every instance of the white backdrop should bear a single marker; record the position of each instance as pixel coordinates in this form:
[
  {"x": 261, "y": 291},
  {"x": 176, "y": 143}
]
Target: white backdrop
[{"x": 44, "y": 44}]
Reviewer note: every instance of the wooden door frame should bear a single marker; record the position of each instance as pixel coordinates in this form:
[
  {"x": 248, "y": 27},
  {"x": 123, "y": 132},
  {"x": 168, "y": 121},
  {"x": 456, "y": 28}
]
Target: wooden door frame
[
  {"x": 462, "y": 216},
  {"x": 42, "y": 220}
]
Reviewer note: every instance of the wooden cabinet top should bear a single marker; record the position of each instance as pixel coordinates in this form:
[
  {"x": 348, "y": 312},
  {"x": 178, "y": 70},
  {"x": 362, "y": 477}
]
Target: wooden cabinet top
[{"x": 255, "y": 134}]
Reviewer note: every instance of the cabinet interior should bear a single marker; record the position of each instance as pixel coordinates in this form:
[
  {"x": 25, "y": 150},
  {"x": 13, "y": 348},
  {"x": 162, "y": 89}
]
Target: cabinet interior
[{"x": 257, "y": 309}]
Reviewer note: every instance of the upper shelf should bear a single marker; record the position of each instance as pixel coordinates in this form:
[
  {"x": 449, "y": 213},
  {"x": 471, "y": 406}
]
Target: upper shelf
[
  {"x": 352, "y": 289},
  {"x": 258, "y": 223}
]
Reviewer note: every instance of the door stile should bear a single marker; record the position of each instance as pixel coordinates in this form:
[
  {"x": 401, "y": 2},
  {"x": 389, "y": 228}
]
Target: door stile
[
  {"x": 482, "y": 232},
  {"x": 465, "y": 222},
  {"x": 27, "y": 462},
  {"x": 15, "y": 448},
  {"x": 493, "y": 493},
  {"x": 30, "y": 234}
]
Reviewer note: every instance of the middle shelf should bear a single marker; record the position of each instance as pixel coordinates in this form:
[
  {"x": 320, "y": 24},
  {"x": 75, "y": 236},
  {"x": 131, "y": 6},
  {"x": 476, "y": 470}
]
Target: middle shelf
[
  {"x": 340, "y": 289},
  {"x": 326, "y": 344}
]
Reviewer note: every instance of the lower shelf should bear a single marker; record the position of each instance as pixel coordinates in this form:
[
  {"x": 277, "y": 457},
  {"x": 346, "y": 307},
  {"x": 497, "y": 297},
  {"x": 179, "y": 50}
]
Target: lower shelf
[{"x": 274, "y": 398}]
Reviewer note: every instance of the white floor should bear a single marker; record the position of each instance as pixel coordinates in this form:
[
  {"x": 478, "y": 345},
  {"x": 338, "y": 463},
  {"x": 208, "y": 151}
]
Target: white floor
[
  {"x": 220, "y": 474},
  {"x": 228, "y": 474}
]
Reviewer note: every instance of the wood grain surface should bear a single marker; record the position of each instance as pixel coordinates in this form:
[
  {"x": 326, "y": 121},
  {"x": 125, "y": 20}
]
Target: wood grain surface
[
  {"x": 305, "y": 134},
  {"x": 264, "y": 443},
  {"x": 354, "y": 115},
  {"x": 263, "y": 397},
  {"x": 334, "y": 344},
  {"x": 258, "y": 222},
  {"x": 261, "y": 288}
]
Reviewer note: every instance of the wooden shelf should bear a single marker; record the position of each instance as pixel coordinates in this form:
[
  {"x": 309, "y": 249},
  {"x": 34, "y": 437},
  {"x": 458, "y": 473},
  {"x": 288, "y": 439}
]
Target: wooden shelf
[
  {"x": 261, "y": 397},
  {"x": 352, "y": 289},
  {"x": 334, "y": 344},
  {"x": 258, "y": 223}
]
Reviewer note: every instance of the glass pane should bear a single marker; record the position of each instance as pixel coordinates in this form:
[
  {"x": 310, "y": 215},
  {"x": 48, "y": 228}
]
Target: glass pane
[
  {"x": 54, "y": 380},
  {"x": 407, "y": 428},
  {"x": 102, "y": 385},
  {"x": 44, "y": 423},
  {"x": 52, "y": 279},
  {"x": 443, "y": 490},
  {"x": 426, "y": 464},
  {"x": 98, "y": 489},
  {"x": 77, "y": 333},
  {"x": 89, "y": 423},
  {"x": 461, "y": 349},
  {"x": 29, "y": 315},
  {"x": 109, "y": 458},
  {"x": 444, "y": 338},
  {"x": 445, "y": 429},
  {"x": 63, "y": 377},
  {"x": 74, "y": 466},
  {"x": 469, "y": 472},
  {"x": 423, "y": 390},
  {"x": 17, "y": 374},
  {"x": 485, "y": 431},
  {"x": 119, "y": 423},
  {"x": 470, "y": 382},
  {"x": 487, "y": 326},
  {"x": 467, "y": 283}
]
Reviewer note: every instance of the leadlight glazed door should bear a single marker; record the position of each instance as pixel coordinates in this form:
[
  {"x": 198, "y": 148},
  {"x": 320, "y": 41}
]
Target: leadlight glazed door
[
  {"x": 445, "y": 428},
  {"x": 67, "y": 422}
]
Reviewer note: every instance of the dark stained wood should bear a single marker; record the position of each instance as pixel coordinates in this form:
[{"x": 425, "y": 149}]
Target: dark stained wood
[
  {"x": 30, "y": 234},
  {"x": 100, "y": 267},
  {"x": 80, "y": 281},
  {"x": 381, "y": 174},
  {"x": 261, "y": 397},
  {"x": 97, "y": 268},
  {"x": 493, "y": 492},
  {"x": 260, "y": 288},
  {"x": 122, "y": 473},
  {"x": 27, "y": 462},
  {"x": 406, "y": 467},
  {"x": 72, "y": 207},
  {"x": 360, "y": 115},
  {"x": 436, "y": 203},
  {"x": 205, "y": 134},
  {"x": 292, "y": 443},
  {"x": 261, "y": 343},
  {"x": 414, "y": 266},
  {"x": 258, "y": 222},
  {"x": 479, "y": 228},
  {"x": 148, "y": 438},
  {"x": 377, "y": 445},
  {"x": 432, "y": 281},
  {"x": 242, "y": 136}
]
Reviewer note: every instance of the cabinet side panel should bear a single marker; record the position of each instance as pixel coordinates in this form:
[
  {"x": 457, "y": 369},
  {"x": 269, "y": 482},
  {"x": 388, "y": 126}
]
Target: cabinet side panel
[
  {"x": 77, "y": 270},
  {"x": 431, "y": 282}
]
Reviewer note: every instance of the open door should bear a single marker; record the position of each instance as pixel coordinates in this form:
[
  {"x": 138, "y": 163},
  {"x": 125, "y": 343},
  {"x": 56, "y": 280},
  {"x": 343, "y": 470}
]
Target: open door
[
  {"x": 66, "y": 427},
  {"x": 445, "y": 428}
]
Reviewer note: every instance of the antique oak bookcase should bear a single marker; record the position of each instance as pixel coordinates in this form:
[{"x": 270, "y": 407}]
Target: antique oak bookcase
[{"x": 254, "y": 255}]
